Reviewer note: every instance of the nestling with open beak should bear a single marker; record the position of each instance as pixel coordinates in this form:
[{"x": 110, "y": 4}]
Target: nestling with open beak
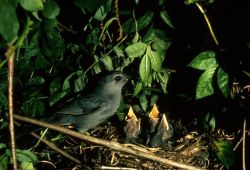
[
  {"x": 132, "y": 126},
  {"x": 159, "y": 129}
]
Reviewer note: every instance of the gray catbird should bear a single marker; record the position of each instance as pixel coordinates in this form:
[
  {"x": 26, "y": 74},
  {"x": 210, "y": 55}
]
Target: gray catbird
[{"x": 89, "y": 110}]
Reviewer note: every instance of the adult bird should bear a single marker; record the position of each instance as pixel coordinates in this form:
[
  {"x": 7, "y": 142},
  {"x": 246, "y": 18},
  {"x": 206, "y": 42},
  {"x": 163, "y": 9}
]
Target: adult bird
[{"x": 89, "y": 110}]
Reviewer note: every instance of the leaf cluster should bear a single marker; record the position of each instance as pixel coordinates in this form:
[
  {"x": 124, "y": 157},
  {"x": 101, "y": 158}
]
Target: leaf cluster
[{"x": 56, "y": 56}]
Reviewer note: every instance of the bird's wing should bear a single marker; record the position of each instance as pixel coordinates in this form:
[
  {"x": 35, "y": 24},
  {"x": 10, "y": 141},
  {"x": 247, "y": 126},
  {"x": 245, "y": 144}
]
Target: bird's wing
[{"x": 82, "y": 106}]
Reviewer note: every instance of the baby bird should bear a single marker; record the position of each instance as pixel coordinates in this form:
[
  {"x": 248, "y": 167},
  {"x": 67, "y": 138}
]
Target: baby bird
[
  {"x": 132, "y": 126},
  {"x": 159, "y": 129}
]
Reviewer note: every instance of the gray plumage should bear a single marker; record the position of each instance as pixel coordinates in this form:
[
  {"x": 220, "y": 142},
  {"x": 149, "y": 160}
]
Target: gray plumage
[{"x": 89, "y": 110}]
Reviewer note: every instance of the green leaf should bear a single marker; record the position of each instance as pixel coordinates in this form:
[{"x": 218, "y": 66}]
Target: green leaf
[
  {"x": 154, "y": 34},
  {"x": 223, "y": 82},
  {"x": 26, "y": 156},
  {"x": 67, "y": 82},
  {"x": 2, "y": 145},
  {"x": 55, "y": 86},
  {"x": 204, "y": 61},
  {"x": 155, "y": 59},
  {"x": 161, "y": 2},
  {"x": 153, "y": 100},
  {"x": 56, "y": 97},
  {"x": 163, "y": 78},
  {"x": 210, "y": 122},
  {"x": 37, "y": 80},
  {"x": 97, "y": 67},
  {"x": 225, "y": 153},
  {"x": 145, "y": 68},
  {"x": 103, "y": 10},
  {"x": 32, "y": 49},
  {"x": 9, "y": 23},
  {"x": 3, "y": 125},
  {"x": 35, "y": 15},
  {"x": 81, "y": 81},
  {"x": 33, "y": 107},
  {"x": 145, "y": 20},
  {"x": 165, "y": 17},
  {"x": 136, "y": 50},
  {"x": 160, "y": 45},
  {"x": 204, "y": 87},
  {"x": 136, "y": 38},
  {"x": 108, "y": 63},
  {"x": 41, "y": 63},
  {"x": 49, "y": 24},
  {"x": 27, "y": 166},
  {"x": 51, "y": 9},
  {"x": 3, "y": 99},
  {"x": 93, "y": 37},
  {"x": 90, "y": 6},
  {"x": 32, "y": 5},
  {"x": 3, "y": 162},
  {"x": 119, "y": 51},
  {"x": 54, "y": 45},
  {"x": 138, "y": 88},
  {"x": 143, "y": 102}
]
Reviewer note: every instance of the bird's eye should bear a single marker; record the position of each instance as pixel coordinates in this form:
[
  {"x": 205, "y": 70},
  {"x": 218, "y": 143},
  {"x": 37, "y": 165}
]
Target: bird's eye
[{"x": 118, "y": 78}]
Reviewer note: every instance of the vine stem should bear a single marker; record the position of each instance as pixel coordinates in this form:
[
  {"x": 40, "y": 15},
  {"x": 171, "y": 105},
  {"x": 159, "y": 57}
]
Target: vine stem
[
  {"x": 10, "y": 55},
  {"x": 244, "y": 145},
  {"x": 208, "y": 24},
  {"x": 212, "y": 31}
]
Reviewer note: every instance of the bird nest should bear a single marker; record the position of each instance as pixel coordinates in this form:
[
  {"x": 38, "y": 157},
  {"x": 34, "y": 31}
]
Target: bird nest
[{"x": 189, "y": 149}]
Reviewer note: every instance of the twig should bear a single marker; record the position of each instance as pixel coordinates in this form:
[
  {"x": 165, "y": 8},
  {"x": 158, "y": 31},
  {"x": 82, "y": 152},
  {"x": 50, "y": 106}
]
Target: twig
[
  {"x": 115, "y": 168},
  {"x": 110, "y": 144},
  {"x": 244, "y": 145},
  {"x": 66, "y": 28},
  {"x": 10, "y": 55},
  {"x": 208, "y": 23},
  {"x": 51, "y": 145},
  {"x": 54, "y": 147},
  {"x": 238, "y": 143}
]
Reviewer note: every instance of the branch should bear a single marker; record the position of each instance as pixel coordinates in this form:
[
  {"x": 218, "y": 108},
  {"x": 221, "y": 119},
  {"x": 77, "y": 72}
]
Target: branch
[
  {"x": 52, "y": 146},
  {"x": 208, "y": 23},
  {"x": 110, "y": 144},
  {"x": 244, "y": 145},
  {"x": 10, "y": 55}
]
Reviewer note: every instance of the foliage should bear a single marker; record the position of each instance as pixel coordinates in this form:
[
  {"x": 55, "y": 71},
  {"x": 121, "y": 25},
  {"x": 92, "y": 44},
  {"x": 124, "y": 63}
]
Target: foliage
[
  {"x": 206, "y": 61},
  {"x": 224, "y": 152},
  {"x": 26, "y": 158},
  {"x": 55, "y": 57}
]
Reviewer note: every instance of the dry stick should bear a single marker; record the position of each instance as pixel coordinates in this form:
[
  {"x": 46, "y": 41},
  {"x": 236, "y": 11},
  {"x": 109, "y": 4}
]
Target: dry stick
[
  {"x": 244, "y": 145},
  {"x": 110, "y": 144},
  {"x": 53, "y": 146},
  {"x": 10, "y": 55}
]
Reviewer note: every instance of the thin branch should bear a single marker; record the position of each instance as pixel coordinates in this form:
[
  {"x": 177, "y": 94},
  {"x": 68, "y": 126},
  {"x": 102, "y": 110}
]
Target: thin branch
[
  {"x": 10, "y": 55},
  {"x": 57, "y": 149},
  {"x": 66, "y": 28},
  {"x": 52, "y": 146},
  {"x": 208, "y": 24},
  {"x": 110, "y": 144},
  {"x": 244, "y": 145}
]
